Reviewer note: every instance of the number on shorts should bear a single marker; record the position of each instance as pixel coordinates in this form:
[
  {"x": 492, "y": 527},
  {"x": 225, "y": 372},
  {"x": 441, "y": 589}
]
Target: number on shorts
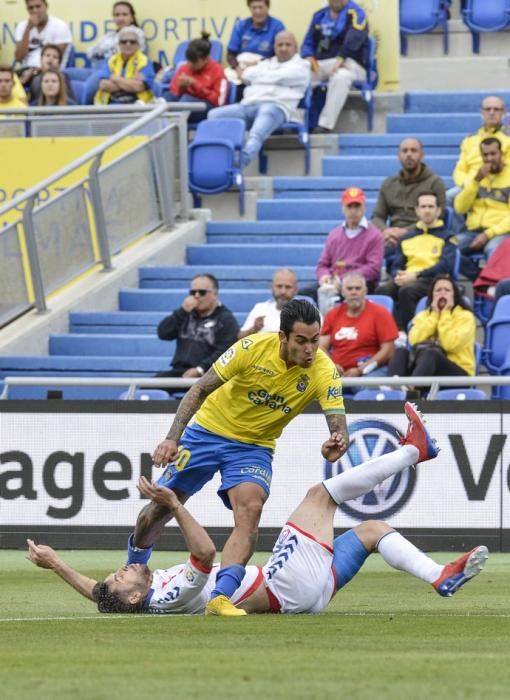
[{"x": 182, "y": 459}]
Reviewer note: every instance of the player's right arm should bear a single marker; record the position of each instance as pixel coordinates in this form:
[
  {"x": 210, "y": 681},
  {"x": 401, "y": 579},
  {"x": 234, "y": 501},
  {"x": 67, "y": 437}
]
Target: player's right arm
[
  {"x": 46, "y": 558},
  {"x": 166, "y": 451}
]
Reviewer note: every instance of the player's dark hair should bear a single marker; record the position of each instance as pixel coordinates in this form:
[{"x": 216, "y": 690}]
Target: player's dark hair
[
  {"x": 490, "y": 140},
  {"x": 298, "y": 310},
  {"x": 108, "y": 602},
  {"x": 267, "y": 3},
  {"x": 55, "y": 48},
  {"x": 130, "y": 8},
  {"x": 458, "y": 299},
  {"x": 199, "y": 48},
  {"x": 212, "y": 279},
  {"x": 6, "y": 69}
]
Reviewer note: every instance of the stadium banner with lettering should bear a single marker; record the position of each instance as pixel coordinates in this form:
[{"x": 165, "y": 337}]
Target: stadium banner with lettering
[
  {"x": 78, "y": 466},
  {"x": 26, "y": 162},
  {"x": 168, "y": 22}
]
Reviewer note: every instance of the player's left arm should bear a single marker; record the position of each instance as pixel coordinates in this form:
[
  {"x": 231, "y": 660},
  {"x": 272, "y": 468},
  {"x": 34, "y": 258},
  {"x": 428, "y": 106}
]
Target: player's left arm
[
  {"x": 337, "y": 443},
  {"x": 46, "y": 558}
]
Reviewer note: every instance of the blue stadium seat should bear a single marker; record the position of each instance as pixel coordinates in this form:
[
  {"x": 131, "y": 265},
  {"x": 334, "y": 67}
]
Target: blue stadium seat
[
  {"x": 147, "y": 395},
  {"x": 229, "y": 276},
  {"x": 380, "y": 165},
  {"x": 108, "y": 345},
  {"x": 284, "y": 209},
  {"x": 422, "y": 17},
  {"x": 379, "y": 395},
  {"x": 165, "y": 300},
  {"x": 383, "y": 300},
  {"x": 368, "y": 85},
  {"x": 257, "y": 254},
  {"x": 79, "y": 91},
  {"x": 497, "y": 336},
  {"x": 485, "y": 16},
  {"x": 416, "y": 124},
  {"x": 447, "y": 101},
  {"x": 301, "y": 128},
  {"x": 215, "y": 158},
  {"x": 461, "y": 395},
  {"x": 80, "y": 74}
]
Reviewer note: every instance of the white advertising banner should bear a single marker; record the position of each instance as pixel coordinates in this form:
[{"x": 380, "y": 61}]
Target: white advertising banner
[{"x": 81, "y": 469}]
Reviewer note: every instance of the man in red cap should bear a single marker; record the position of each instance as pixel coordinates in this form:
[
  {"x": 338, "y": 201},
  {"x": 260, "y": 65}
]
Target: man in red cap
[{"x": 354, "y": 246}]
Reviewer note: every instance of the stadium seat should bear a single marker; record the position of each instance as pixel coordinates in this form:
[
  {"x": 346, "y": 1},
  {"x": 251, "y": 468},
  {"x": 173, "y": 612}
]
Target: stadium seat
[
  {"x": 383, "y": 300},
  {"x": 379, "y": 395},
  {"x": 485, "y": 16},
  {"x": 497, "y": 336},
  {"x": 80, "y": 74},
  {"x": 368, "y": 85},
  {"x": 147, "y": 395},
  {"x": 215, "y": 158},
  {"x": 422, "y": 17},
  {"x": 301, "y": 128},
  {"x": 461, "y": 395},
  {"x": 79, "y": 91}
]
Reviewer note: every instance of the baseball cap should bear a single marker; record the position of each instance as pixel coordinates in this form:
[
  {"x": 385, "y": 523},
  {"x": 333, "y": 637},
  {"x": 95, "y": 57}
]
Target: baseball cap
[{"x": 353, "y": 194}]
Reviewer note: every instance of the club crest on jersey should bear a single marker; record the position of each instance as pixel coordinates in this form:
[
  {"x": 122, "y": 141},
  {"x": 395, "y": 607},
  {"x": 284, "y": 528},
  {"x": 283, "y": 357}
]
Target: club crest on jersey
[
  {"x": 246, "y": 343},
  {"x": 190, "y": 575},
  {"x": 227, "y": 356},
  {"x": 303, "y": 382}
]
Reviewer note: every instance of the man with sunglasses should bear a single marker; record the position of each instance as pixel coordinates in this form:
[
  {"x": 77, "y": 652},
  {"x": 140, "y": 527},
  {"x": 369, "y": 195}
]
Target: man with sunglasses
[{"x": 202, "y": 327}]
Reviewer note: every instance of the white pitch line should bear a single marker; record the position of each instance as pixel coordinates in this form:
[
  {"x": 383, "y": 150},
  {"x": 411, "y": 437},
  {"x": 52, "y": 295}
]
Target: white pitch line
[{"x": 393, "y": 615}]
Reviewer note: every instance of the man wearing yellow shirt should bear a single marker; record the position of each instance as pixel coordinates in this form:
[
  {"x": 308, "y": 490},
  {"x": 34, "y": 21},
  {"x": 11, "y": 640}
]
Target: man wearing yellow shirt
[
  {"x": 7, "y": 98},
  {"x": 485, "y": 198},
  {"x": 493, "y": 111},
  {"x": 242, "y": 405}
]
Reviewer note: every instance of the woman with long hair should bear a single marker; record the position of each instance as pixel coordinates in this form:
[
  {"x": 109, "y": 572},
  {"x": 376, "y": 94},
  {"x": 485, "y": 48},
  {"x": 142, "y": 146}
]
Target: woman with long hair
[
  {"x": 441, "y": 338},
  {"x": 53, "y": 89}
]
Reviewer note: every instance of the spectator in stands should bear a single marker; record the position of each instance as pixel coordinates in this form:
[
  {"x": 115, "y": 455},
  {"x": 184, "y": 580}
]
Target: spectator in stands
[
  {"x": 359, "y": 334},
  {"x": 265, "y": 316},
  {"x": 421, "y": 254},
  {"x": 354, "y": 246},
  {"x": 203, "y": 328},
  {"x": 395, "y": 210},
  {"x": 442, "y": 337},
  {"x": 200, "y": 79},
  {"x": 336, "y": 44},
  {"x": 485, "y": 198},
  {"x": 274, "y": 88},
  {"x": 127, "y": 77},
  {"x": 7, "y": 98},
  {"x": 51, "y": 59},
  {"x": 124, "y": 15},
  {"x": 256, "y": 34},
  {"x": 492, "y": 111},
  {"x": 35, "y": 32},
  {"x": 53, "y": 90}
]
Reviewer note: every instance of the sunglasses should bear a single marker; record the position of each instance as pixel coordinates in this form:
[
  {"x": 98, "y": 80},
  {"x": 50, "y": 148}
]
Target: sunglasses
[
  {"x": 128, "y": 41},
  {"x": 200, "y": 292}
]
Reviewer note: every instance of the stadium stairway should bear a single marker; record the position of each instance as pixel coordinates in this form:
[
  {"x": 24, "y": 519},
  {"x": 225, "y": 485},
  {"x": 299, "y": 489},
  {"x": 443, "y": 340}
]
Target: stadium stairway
[{"x": 289, "y": 230}]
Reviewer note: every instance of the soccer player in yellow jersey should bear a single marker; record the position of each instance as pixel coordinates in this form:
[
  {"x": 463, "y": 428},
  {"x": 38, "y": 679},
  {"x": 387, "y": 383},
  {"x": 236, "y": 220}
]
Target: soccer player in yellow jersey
[{"x": 242, "y": 405}]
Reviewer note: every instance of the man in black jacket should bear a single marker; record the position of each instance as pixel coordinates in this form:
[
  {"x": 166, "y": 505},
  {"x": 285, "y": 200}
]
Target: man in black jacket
[{"x": 203, "y": 328}]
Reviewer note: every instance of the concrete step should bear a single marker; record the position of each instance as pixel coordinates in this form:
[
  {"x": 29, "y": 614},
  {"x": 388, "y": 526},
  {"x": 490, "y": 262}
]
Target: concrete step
[{"x": 468, "y": 72}]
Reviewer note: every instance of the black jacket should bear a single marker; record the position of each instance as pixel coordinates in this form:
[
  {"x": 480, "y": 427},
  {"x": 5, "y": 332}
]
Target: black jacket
[{"x": 200, "y": 339}]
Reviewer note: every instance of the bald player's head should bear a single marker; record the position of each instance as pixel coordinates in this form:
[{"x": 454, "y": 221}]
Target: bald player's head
[{"x": 285, "y": 46}]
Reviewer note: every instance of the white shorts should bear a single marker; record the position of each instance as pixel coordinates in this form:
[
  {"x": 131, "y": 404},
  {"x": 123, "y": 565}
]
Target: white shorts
[{"x": 299, "y": 576}]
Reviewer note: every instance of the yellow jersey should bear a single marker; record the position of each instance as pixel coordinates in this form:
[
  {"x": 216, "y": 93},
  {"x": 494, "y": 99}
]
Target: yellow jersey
[{"x": 261, "y": 395}]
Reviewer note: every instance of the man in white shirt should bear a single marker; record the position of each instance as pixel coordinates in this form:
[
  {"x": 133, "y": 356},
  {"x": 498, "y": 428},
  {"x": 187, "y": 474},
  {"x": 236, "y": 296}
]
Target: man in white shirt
[
  {"x": 265, "y": 316},
  {"x": 274, "y": 88},
  {"x": 40, "y": 29}
]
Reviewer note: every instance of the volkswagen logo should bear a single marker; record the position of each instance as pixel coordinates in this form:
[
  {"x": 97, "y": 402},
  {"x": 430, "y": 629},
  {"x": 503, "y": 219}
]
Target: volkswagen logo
[{"x": 368, "y": 439}]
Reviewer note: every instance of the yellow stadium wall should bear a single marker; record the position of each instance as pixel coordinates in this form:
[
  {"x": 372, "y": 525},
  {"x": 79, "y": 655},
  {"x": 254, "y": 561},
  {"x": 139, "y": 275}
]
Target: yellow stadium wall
[
  {"x": 26, "y": 162},
  {"x": 166, "y": 23}
]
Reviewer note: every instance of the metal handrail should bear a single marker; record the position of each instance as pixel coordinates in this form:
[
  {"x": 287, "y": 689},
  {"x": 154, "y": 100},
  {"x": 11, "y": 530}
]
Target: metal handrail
[
  {"x": 85, "y": 158},
  {"x": 179, "y": 383}
]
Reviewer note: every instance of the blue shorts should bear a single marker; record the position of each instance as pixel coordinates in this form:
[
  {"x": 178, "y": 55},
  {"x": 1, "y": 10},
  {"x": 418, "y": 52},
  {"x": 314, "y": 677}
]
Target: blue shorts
[
  {"x": 348, "y": 558},
  {"x": 202, "y": 454}
]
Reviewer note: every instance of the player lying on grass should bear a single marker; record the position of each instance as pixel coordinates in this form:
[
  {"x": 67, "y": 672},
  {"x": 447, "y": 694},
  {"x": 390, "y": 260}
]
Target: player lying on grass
[{"x": 307, "y": 566}]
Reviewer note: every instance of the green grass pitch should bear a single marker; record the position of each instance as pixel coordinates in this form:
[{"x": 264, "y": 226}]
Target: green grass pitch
[{"x": 386, "y": 636}]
